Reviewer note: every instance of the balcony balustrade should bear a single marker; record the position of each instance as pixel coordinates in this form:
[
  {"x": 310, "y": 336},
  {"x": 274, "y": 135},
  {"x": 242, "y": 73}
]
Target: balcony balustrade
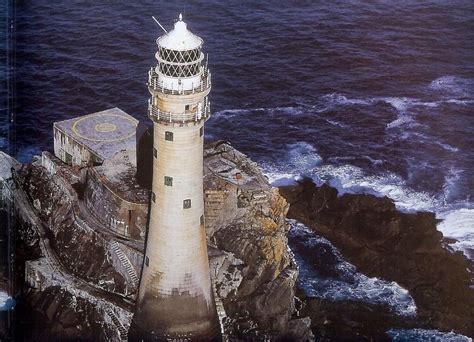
[
  {"x": 161, "y": 116},
  {"x": 156, "y": 84}
]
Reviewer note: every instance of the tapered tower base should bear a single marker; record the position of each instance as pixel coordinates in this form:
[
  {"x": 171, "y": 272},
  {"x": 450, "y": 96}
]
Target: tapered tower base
[{"x": 178, "y": 317}]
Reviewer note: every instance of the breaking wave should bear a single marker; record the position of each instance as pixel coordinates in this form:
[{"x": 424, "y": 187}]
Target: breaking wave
[
  {"x": 341, "y": 281},
  {"x": 458, "y": 224},
  {"x": 302, "y": 159}
]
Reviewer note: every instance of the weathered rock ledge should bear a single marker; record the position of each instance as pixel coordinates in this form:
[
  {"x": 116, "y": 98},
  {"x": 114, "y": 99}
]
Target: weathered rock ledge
[{"x": 386, "y": 243}]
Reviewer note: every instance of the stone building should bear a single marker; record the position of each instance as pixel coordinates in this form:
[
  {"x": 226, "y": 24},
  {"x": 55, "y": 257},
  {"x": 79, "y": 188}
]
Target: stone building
[
  {"x": 91, "y": 139},
  {"x": 105, "y": 143},
  {"x": 175, "y": 300}
]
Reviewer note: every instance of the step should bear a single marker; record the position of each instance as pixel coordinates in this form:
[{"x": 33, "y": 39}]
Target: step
[
  {"x": 125, "y": 263},
  {"x": 122, "y": 330}
]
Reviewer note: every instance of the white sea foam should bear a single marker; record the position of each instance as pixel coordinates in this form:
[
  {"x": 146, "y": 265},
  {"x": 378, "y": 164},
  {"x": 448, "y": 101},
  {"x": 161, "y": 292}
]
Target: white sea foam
[
  {"x": 459, "y": 224},
  {"x": 6, "y": 302},
  {"x": 447, "y": 147},
  {"x": 303, "y": 156},
  {"x": 343, "y": 100},
  {"x": 453, "y": 85},
  {"x": 459, "y": 102},
  {"x": 352, "y": 179},
  {"x": 399, "y": 335},
  {"x": 231, "y": 113},
  {"x": 300, "y": 159},
  {"x": 403, "y": 106},
  {"x": 350, "y": 284},
  {"x": 336, "y": 123}
]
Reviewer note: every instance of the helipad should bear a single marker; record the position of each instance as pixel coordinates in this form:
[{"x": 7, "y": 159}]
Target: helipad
[{"x": 93, "y": 138}]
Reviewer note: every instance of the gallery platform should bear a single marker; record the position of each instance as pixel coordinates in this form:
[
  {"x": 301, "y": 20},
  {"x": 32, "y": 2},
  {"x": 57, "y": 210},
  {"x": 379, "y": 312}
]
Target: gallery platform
[{"x": 91, "y": 139}]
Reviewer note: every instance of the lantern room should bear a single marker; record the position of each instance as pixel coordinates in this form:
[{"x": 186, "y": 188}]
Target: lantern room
[{"x": 180, "y": 60}]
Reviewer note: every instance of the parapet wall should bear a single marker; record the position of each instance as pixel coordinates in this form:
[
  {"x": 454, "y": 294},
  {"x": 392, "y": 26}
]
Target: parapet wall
[{"x": 117, "y": 214}]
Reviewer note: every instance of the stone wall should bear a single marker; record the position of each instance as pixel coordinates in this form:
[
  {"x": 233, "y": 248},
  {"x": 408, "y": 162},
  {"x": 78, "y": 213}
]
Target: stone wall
[
  {"x": 113, "y": 212},
  {"x": 71, "y": 152}
]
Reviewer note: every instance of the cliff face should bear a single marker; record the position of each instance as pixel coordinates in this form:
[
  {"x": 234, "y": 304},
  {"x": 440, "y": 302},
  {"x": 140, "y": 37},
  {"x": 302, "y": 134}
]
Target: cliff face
[
  {"x": 383, "y": 242},
  {"x": 245, "y": 218},
  {"x": 85, "y": 276}
]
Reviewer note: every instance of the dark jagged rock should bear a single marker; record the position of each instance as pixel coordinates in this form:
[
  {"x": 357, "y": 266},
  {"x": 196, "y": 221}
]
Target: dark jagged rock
[
  {"x": 81, "y": 250},
  {"x": 386, "y": 243}
]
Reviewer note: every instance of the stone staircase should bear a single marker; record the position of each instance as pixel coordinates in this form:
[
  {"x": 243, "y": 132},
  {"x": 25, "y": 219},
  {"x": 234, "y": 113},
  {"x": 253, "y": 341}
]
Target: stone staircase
[
  {"x": 220, "y": 310},
  {"x": 127, "y": 265},
  {"x": 123, "y": 332}
]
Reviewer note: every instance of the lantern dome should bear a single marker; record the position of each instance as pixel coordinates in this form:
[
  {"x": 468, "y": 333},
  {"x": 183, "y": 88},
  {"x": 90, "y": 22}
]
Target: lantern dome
[{"x": 180, "y": 38}]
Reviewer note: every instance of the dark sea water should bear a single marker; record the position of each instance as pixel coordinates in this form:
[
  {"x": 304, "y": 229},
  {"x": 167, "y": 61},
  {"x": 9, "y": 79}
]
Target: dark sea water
[{"x": 371, "y": 96}]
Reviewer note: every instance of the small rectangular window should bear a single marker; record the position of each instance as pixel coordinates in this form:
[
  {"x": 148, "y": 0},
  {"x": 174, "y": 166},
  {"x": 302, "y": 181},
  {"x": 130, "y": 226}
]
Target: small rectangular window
[
  {"x": 169, "y": 136},
  {"x": 186, "y": 204},
  {"x": 202, "y": 220},
  {"x": 186, "y": 107},
  {"x": 201, "y": 131},
  {"x": 153, "y": 197},
  {"x": 155, "y": 153},
  {"x": 147, "y": 261},
  {"x": 168, "y": 181}
]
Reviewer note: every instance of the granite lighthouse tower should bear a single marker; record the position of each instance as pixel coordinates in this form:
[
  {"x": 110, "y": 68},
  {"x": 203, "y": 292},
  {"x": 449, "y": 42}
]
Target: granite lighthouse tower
[{"x": 175, "y": 299}]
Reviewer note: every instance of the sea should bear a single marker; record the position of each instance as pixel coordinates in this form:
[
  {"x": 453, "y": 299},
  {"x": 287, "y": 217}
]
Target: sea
[{"x": 371, "y": 96}]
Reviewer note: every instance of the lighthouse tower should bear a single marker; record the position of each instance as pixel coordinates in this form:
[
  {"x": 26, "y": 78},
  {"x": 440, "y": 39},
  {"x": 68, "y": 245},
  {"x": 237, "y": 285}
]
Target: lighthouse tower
[{"x": 175, "y": 299}]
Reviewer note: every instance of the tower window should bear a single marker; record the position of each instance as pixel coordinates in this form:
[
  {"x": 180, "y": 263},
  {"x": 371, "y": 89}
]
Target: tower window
[
  {"x": 168, "y": 181},
  {"x": 153, "y": 197},
  {"x": 186, "y": 107},
  {"x": 201, "y": 131},
  {"x": 155, "y": 153},
  {"x": 202, "y": 220},
  {"x": 169, "y": 136},
  {"x": 186, "y": 204},
  {"x": 147, "y": 261}
]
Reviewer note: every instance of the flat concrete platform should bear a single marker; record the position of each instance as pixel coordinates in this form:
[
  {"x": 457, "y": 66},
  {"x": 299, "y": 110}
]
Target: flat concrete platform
[{"x": 104, "y": 133}]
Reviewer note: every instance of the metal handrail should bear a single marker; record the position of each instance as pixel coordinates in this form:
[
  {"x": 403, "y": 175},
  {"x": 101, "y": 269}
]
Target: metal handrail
[
  {"x": 155, "y": 84},
  {"x": 158, "y": 115}
]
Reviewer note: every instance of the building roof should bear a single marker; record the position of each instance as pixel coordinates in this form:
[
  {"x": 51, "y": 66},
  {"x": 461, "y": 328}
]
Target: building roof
[
  {"x": 180, "y": 38},
  {"x": 103, "y": 133}
]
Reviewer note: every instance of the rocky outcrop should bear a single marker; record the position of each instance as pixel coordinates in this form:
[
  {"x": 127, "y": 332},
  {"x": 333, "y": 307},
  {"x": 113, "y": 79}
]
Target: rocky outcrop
[
  {"x": 81, "y": 250},
  {"x": 85, "y": 267},
  {"x": 386, "y": 243},
  {"x": 245, "y": 218}
]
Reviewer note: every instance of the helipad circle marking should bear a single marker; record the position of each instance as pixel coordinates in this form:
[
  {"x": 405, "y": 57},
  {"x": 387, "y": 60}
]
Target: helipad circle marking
[
  {"x": 74, "y": 128},
  {"x": 105, "y": 127}
]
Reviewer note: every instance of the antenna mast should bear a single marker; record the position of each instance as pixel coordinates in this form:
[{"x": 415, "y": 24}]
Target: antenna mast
[{"x": 156, "y": 21}]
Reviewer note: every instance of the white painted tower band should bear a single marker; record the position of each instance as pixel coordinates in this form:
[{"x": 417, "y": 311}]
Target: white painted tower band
[{"x": 175, "y": 299}]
